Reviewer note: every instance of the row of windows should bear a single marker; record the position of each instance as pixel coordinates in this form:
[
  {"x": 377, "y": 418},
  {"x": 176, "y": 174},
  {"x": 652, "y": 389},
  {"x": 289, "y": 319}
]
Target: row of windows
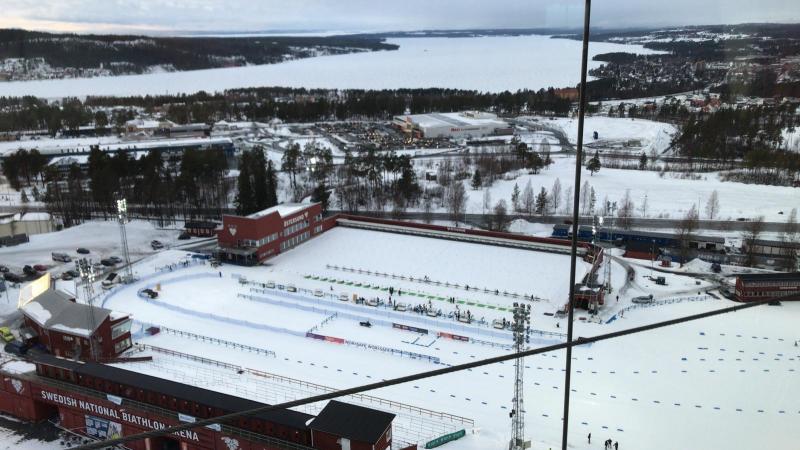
[
  {"x": 296, "y": 227},
  {"x": 776, "y": 283},
  {"x": 258, "y": 243},
  {"x": 122, "y": 345},
  {"x": 289, "y": 243},
  {"x": 318, "y": 229}
]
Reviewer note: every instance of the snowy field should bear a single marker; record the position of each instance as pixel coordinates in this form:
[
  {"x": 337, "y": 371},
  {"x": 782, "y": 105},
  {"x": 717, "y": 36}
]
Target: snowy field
[
  {"x": 676, "y": 388},
  {"x": 667, "y": 196},
  {"x": 613, "y": 133},
  {"x": 507, "y": 63}
]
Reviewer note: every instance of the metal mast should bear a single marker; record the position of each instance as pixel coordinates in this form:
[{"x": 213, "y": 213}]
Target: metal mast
[
  {"x": 88, "y": 277},
  {"x": 521, "y": 326},
  {"x": 122, "y": 215}
]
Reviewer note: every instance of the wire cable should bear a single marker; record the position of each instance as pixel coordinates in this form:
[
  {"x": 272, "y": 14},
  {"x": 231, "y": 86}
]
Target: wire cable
[{"x": 417, "y": 376}]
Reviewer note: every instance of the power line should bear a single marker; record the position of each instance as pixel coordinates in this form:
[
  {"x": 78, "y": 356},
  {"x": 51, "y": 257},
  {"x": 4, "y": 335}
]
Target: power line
[
  {"x": 574, "y": 247},
  {"x": 417, "y": 376}
]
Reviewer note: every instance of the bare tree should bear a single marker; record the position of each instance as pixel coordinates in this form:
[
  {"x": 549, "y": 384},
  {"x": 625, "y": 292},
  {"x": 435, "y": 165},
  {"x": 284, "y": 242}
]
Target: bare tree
[
  {"x": 750, "y": 236},
  {"x": 568, "y": 199},
  {"x": 528, "y": 198},
  {"x": 586, "y": 198},
  {"x": 626, "y": 210},
  {"x": 487, "y": 200},
  {"x": 456, "y": 199},
  {"x": 790, "y": 237},
  {"x": 501, "y": 219},
  {"x": 686, "y": 226},
  {"x": 555, "y": 195},
  {"x": 712, "y": 205}
]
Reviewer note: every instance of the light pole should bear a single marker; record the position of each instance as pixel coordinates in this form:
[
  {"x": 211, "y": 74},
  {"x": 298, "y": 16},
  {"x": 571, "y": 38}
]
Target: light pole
[
  {"x": 521, "y": 328},
  {"x": 87, "y": 274},
  {"x": 122, "y": 215}
]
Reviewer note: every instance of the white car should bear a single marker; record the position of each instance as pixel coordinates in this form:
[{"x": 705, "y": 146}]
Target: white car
[
  {"x": 271, "y": 284},
  {"x": 400, "y": 307},
  {"x": 343, "y": 297},
  {"x": 372, "y": 302},
  {"x": 317, "y": 293},
  {"x": 111, "y": 280},
  {"x": 291, "y": 288}
]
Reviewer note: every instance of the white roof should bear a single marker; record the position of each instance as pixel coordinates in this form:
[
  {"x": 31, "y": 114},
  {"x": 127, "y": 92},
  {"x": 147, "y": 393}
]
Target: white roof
[
  {"x": 461, "y": 119},
  {"x": 284, "y": 209}
]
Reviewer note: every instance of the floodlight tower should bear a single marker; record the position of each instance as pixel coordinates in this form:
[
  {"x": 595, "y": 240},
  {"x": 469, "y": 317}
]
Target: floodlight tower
[
  {"x": 87, "y": 274},
  {"x": 122, "y": 215},
  {"x": 521, "y": 326}
]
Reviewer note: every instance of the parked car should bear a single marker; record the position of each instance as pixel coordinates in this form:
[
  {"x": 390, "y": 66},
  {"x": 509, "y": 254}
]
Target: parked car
[
  {"x": 643, "y": 299},
  {"x": 108, "y": 262},
  {"x": 147, "y": 292},
  {"x": 291, "y": 288},
  {"x": 372, "y": 302},
  {"x": 5, "y": 334},
  {"x": 40, "y": 268},
  {"x": 98, "y": 268},
  {"x": 499, "y": 324},
  {"x": 73, "y": 273},
  {"x": 270, "y": 284},
  {"x": 4, "y": 269},
  {"x": 343, "y": 297},
  {"x": 83, "y": 251},
  {"x": 318, "y": 293},
  {"x": 431, "y": 313},
  {"x": 116, "y": 259},
  {"x": 16, "y": 348},
  {"x": 111, "y": 280},
  {"x": 184, "y": 236},
  {"x": 66, "y": 276},
  {"x": 12, "y": 277},
  {"x": 400, "y": 307},
  {"x": 29, "y": 271},
  {"x": 61, "y": 257},
  {"x": 156, "y": 245}
]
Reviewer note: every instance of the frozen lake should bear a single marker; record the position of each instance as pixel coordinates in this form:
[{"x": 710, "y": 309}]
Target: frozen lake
[{"x": 492, "y": 64}]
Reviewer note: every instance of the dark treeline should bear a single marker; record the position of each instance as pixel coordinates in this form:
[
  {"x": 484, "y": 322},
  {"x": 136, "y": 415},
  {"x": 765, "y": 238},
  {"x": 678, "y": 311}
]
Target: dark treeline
[
  {"x": 155, "y": 186},
  {"x": 136, "y": 53},
  {"x": 263, "y": 104},
  {"x": 752, "y": 134}
]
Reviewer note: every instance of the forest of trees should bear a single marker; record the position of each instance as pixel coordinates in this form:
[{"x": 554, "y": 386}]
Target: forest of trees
[
  {"x": 158, "y": 187},
  {"x": 134, "y": 54},
  {"x": 263, "y": 104}
]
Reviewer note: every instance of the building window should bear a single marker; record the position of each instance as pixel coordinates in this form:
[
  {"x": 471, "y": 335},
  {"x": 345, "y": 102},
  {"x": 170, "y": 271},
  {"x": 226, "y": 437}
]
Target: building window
[
  {"x": 121, "y": 328},
  {"x": 122, "y": 345}
]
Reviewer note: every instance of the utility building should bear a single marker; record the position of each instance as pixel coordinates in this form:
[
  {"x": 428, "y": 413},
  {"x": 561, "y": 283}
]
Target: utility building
[{"x": 464, "y": 125}]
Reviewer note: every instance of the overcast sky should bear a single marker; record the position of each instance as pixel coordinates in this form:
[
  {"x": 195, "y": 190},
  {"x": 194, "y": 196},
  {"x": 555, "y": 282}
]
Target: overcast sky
[{"x": 181, "y": 16}]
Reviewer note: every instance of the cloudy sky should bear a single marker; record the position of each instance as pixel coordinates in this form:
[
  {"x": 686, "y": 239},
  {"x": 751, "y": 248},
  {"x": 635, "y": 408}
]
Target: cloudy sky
[{"x": 181, "y": 16}]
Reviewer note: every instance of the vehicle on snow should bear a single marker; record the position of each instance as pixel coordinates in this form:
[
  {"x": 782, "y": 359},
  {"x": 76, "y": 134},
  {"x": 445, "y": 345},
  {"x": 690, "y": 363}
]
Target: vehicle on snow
[
  {"x": 400, "y": 307},
  {"x": 83, "y": 251},
  {"x": 499, "y": 324},
  {"x": 372, "y": 302},
  {"x": 60, "y": 257},
  {"x": 147, "y": 292},
  {"x": 40, "y": 268},
  {"x": 111, "y": 280},
  {"x": 291, "y": 288},
  {"x": 642, "y": 299},
  {"x": 270, "y": 284},
  {"x": 343, "y": 297},
  {"x": 156, "y": 245},
  {"x": 318, "y": 293},
  {"x": 29, "y": 271}
]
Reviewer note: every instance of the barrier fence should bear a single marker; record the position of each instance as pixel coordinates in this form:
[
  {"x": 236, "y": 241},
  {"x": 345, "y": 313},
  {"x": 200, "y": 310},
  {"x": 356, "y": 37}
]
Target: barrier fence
[
  {"x": 223, "y": 342},
  {"x": 426, "y": 280},
  {"x": 391, "y": 404}
]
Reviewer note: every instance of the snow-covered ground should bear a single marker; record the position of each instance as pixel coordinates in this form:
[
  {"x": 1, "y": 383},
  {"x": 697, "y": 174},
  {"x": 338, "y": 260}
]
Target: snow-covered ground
[
  {"x": 613, "y": 133},
  {"x": 507, "y": 63},
  {"x": 667, "y": 196},
  {"x": 726, "y": 382},
  {"x": 101, "y": 238}
]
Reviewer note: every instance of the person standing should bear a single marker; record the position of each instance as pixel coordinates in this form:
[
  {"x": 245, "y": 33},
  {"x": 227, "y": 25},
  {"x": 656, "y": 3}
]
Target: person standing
[
  {"x": 616, "y": 445},
  {"x": 590, "y": 438}
]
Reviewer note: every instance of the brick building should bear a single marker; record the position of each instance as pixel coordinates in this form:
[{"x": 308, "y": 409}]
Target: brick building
[
  {"x": 65, "y": 328},
  {"x": 252, "y": 239},
  {"x": 763, "y": 286}
]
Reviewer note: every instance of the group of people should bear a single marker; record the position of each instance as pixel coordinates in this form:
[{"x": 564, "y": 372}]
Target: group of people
[{"x": 609, "y": 444}]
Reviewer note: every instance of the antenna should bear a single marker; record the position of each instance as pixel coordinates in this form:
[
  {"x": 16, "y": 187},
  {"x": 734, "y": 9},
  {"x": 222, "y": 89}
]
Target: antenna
[
  {"x": 521, "y": 328},
  {"x": 122, "y": 215},
  {"x": 88, "y": 277}
]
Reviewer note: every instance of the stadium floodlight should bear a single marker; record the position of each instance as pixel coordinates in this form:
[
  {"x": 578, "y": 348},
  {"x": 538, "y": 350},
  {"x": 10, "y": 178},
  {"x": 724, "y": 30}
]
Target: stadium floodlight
[{"x": 122, "y": 214}]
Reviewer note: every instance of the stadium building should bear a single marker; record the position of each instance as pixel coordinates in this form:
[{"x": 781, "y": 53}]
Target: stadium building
[
  {"x": 464, "y": 125},
  {"x": 763, "y": 286},
  {"x": 251, "y": 239}
]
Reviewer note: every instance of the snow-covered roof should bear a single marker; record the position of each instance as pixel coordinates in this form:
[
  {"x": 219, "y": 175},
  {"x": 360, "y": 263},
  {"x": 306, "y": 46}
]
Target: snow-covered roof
[
  {"x": 54, "y": 310},
  {"x": 462, "y": 119},
  {"x": 284, "y": 209}
]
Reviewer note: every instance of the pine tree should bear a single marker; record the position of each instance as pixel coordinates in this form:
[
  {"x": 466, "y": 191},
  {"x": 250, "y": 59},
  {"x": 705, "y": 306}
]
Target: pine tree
[
  {"x": 541, "y": 202},
  {"x": 594, "y": 164},
  {"x": 476, "y": 179},
  {"x": 515, "y": 197},
  {"x": 272, "y": 186},
  {"x": 320, "y": 194},
  {"x": 245, "y": 198}
]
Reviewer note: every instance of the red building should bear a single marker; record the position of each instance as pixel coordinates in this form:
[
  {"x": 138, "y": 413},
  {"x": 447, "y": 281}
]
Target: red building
[
  {"x": 252, "y": 239},
  {"x": 68, "y": 329},
  {"x": 105, "y": 402},
  {"x": 763, "y": 286},
  {"x": 641, "y": 250}
]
